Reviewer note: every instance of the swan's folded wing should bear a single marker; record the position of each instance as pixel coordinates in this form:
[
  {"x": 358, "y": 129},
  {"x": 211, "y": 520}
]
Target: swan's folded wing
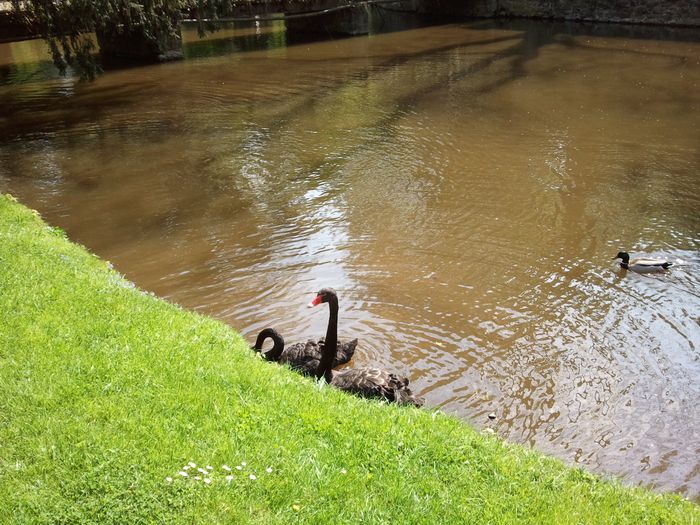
[
  {"x": 304, "y": 357},
  {"x": 375, "y": 383},
  {"x": 366, "y": 382},
  {"x": 345, "y": 352}
]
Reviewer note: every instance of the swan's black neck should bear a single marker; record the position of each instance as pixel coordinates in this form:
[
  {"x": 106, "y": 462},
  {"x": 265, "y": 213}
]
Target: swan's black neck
[
  {"x": 276, "y": 351},
  {"x": 330, "y": 346}
]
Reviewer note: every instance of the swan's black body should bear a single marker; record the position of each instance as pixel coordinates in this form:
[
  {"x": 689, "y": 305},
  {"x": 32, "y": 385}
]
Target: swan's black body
[
  {"x": 376, "y": 383},
  {"x": 365, "y": 382},
  {"x": 303, "y": 357}
]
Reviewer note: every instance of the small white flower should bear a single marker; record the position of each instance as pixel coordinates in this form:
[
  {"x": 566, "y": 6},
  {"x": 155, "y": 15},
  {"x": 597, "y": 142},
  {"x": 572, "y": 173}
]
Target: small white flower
[
  {"x": 186, "y": 467},
  {"x": 226, "y": 468},
  {"x": 207, "y": 481},
  {"x": 243, "y": 463},
  {"x": 209, "y": 467},
  {"x": 343, "y": 471},
  {"x": 229, "y": 478},
  {"x": 200, "y": 469},
  {"x": 192, "y": 464},
  {"x": 268, "y": 470},
  {"x": 169, "y": 479},
  {"x": 238, "y": 467},
  {"x": 197, "y": 478},
  {"x": 252, "y": 476},
  {"x": 183, "y": 474}
]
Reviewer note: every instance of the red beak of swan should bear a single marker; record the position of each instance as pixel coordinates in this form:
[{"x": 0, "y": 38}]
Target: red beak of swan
[{"x": 316, "y": 301}]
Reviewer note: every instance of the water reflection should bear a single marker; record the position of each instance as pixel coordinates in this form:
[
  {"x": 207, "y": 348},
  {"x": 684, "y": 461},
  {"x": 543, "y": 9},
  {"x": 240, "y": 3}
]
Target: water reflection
[
  {"x": 233, "y": 37},
  {"x": 464, "y": 187}
]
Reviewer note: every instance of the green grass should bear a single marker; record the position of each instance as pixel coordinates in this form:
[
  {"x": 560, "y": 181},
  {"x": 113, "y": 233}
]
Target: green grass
[{"x": 105, "y": 391}]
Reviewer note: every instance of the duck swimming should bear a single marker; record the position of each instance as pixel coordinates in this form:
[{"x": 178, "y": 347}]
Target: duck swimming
[{"x": 642, "y": 265}]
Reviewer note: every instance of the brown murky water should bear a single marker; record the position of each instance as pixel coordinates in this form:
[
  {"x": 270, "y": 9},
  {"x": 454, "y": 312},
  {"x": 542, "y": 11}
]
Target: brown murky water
[{"x": 464, "y": 187}]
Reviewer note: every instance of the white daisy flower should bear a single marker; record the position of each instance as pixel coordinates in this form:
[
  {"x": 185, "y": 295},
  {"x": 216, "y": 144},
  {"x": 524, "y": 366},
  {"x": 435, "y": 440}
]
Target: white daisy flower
[
  {"x": 238, "y": 467},
  {"x": 226, "y": 468},
  {"x": 229, "y": 478},
  {"x": 209, "y": 467},
  {"x": 268, "y": 470},
  {"x": 343, "y": 471},
  {"x": 169, "y": 479},
  {"x": 252, "y": 476},
  {"x": 200, "y": 469},
  {"x": 244, "y": 463},
  {"x": 192, "y": 464},
  {"x": 207, "y": 481},
  {"x": 186, "y": 467},
  {"x": 197, "y": 478},
  {"x": 183, "y": 474}
]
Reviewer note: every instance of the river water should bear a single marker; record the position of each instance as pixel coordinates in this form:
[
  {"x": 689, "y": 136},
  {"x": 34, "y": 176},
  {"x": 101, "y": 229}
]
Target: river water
[{"x": 464, "y": 187}]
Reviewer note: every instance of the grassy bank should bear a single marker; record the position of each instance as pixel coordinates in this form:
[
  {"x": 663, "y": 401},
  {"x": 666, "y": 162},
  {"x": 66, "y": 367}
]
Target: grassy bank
[{"x": 105, "y": 392}]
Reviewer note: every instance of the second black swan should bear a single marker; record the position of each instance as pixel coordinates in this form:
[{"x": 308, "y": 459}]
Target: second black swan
[{"x": 365, "y": 382}]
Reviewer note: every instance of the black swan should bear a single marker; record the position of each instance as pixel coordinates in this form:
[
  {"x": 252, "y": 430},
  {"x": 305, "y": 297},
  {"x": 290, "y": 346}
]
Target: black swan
[
  {"x": 365, "y": 382},
  {"x": 303, "y": 357}
]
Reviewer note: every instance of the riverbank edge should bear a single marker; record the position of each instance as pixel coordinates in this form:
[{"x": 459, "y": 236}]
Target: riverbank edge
[{"x": 106, "y": 392}]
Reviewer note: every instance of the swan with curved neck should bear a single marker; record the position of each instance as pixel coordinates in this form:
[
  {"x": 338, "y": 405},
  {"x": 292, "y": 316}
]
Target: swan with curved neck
[
  {"x": 305, "y": 357},
  {"x": 277, "y": 340},
  {"x": 365, "y": 382}
]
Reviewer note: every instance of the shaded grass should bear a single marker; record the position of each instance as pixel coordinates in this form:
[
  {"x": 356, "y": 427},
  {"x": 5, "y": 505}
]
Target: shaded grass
[{"x": 105, "y": 391}]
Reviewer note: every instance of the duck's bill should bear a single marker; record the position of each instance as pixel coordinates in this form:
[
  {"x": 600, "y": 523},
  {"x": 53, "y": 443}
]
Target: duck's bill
[{"x": 315, "y": 302}]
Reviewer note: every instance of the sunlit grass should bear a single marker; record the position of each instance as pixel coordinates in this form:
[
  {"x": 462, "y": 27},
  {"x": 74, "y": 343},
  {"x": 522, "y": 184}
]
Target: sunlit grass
[{"x": 113, "y": 402}]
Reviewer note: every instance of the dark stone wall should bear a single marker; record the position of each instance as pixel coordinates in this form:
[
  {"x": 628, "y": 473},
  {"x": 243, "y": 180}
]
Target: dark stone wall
[
  {"x": 666, "y": 12},
  {"x": 135, "y": 46},
  {"x": 354, "y": 21},
  {"x": 13, "y": 27}
]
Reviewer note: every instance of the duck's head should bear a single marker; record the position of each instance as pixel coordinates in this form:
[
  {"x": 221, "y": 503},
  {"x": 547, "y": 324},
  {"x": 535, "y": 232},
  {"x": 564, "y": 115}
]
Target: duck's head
[
  {"x": 324, "y": 295},
  {"x": 624, "y": 256}
]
